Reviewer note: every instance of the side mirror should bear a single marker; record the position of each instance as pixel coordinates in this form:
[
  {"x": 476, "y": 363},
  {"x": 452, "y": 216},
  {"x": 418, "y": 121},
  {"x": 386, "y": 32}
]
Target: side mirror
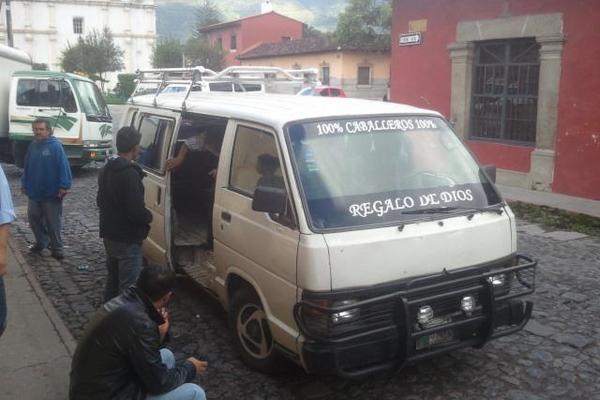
[
  {"x": 269, "y": 199},
  {"x": 490, "y": 171}
]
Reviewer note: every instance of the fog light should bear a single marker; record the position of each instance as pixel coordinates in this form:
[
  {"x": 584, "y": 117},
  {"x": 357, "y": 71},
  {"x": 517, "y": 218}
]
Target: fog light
[
  {"x": 467, "y": 304},
  {"x": 425, "y": 315},
  {"x": 497, "y": 280}
]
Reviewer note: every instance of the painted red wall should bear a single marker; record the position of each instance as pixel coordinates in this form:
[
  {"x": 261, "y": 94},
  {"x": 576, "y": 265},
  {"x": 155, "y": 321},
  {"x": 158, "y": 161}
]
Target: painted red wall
[
  {"x": 264, "y": 28},
  {"x": 421, "y": 75}
]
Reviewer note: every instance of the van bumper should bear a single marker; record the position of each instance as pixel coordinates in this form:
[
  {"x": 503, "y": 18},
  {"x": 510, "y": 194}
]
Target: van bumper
[
  {"x": 369, "y": 347},
  {"x": 77, "y": 154}
]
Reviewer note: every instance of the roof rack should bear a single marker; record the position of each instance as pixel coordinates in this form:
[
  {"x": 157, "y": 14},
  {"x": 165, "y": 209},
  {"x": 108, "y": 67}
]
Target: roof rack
[{"x": 156, "y": 80}]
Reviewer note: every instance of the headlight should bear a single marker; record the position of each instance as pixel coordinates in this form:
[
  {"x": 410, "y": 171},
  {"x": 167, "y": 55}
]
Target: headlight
[
  {"x": 425, "y": 315},
  {"x": 345, "y": 316},
  {"x": 467, "y": 304},
  {"x": 497, "y": 280}
]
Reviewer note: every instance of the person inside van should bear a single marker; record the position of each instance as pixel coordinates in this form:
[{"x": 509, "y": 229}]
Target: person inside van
[
  {"x": 266, "y": 166},
  {"x": 206, "y": 147}
]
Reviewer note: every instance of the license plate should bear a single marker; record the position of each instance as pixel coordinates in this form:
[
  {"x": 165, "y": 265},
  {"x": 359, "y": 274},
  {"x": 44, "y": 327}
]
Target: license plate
[{"x": 435, "y": 339}]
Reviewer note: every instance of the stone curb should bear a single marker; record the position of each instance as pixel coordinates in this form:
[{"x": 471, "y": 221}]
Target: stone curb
[{"x": 60, "y": 327}]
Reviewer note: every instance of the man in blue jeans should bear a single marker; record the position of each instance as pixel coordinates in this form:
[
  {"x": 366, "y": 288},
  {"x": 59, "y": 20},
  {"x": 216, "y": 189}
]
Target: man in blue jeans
[
  {"x": 119, "y": 355},
  {"x": 124, "y": 219},
  {"x": 46, "y": 179},
  {"x": 7, "y": 215}
]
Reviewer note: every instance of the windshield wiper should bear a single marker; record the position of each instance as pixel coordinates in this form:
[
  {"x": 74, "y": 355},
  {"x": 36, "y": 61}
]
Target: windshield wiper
[
  {"x": 434, "y": 210},
  {"x": 442, "y": 210}
]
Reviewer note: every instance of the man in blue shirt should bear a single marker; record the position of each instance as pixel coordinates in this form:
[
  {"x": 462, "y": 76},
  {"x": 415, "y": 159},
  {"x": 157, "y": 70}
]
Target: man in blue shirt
[
  {"x": 7, "y": 215},
  {"x": 46, "y": 179}
]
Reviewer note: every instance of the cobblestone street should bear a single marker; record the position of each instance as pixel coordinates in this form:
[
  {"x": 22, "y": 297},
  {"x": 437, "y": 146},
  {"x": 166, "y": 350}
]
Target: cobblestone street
[{"x": 556, "y": 357}]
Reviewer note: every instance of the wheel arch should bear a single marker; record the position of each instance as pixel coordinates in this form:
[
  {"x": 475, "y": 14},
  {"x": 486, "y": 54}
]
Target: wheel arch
[{"x": 238, "y": 280}]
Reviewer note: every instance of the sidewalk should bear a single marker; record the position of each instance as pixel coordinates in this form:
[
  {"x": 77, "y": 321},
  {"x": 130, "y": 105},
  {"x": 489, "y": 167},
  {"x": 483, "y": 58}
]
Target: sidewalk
[
  {"x": 554, "y": 200},
  {"x": 36, "y": 348}
]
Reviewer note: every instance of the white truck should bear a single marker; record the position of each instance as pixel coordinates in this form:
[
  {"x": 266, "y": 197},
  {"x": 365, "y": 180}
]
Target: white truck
[
  {"x": 350, "y": 236},
  {"x": 11, "y": 60},
  {"x": 72, "y": 104}
]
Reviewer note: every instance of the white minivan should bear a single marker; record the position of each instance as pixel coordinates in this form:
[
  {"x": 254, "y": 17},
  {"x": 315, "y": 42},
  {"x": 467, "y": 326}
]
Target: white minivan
[{"x": 350, "y": 236}]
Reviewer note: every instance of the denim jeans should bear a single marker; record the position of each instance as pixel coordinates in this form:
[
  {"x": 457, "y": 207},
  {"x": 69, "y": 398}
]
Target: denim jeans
[
  {"x": 187, "y": 391},
  {"x": 2, "y": 306},
  {"x": 45, "y": 220},
  {"x": 124, "y": 264}
]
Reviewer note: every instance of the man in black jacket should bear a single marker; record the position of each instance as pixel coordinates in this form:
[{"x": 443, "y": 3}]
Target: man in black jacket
[
  {"x": 119, "y": 356},
  {"x": 124, "y": 219}
]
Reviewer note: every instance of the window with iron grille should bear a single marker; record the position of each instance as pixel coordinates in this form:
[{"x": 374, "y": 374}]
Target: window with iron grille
[
  {"x": 505, "y": 90},
  {"x": 78, "y": 25},
  {"x": 233, "y": 43},
  {"x": 364, "y": 75},
  {"x": 325, "y": 74}
]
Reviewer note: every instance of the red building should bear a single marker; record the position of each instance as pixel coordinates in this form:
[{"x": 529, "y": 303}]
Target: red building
[
  {"x": 519, "y": 79},
  {"x": 237, "y": 36}
]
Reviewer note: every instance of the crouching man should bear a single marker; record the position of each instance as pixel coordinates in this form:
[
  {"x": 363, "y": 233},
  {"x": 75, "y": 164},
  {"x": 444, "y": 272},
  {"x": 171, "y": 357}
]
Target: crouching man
[{"x": 120, "y": 355}]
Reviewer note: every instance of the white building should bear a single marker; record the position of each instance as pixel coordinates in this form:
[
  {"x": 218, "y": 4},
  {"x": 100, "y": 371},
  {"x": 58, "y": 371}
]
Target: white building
[{"x": 43, "y": 28}]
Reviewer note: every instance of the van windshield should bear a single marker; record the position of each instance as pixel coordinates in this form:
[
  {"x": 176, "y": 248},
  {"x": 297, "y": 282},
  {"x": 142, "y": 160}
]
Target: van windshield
[
  {"x": 384, "y": 170},
  {"x": 92, "y": 102}
]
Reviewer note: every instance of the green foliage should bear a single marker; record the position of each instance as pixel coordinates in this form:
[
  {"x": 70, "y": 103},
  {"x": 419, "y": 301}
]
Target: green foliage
[
  {"x": 207, "y": 13},
  {"x": 114, "y": 99},
  {"x": 167, "y": 53},
  {"x": 552, "y": 218},
  {"x": 201, "y": 52},
  {"x": 309, "y": 31},
  {"x": 365, "y": 24},
  {"x": 126, "y": 85},
  {"x": 94, "y": 55}
]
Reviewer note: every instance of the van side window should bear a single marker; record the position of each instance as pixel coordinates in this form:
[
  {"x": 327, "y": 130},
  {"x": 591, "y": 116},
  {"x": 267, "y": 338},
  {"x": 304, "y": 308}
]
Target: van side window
[
  {"x": 68, "y": 100},
  {"x": 42, "y": 93},
  {"x": 48, "y": 93},
  {"x": 155, "y": 132},
  {"x": 255, "y": 161},
  {"x": 26, "y": 92}
]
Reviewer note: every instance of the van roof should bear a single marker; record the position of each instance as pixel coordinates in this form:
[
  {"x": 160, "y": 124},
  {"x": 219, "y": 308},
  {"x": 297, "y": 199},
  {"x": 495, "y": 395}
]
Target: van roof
[
  {"x": 51, "y": 74},
  {"x": 276, "y": 109}
]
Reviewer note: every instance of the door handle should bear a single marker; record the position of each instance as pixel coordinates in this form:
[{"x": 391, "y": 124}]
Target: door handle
[
  {"x": 158, "y": 196},
  {"x": 225, "y": 216}
]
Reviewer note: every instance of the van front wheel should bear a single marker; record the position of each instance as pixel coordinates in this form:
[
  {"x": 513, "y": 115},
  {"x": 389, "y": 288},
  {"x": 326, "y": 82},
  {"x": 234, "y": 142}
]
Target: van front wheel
[{"x": 252, "y": 334}]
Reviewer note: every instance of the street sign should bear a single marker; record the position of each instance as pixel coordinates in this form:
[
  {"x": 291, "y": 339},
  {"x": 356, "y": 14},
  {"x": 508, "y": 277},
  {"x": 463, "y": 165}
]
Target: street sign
[{"x": 410, "y": 39}]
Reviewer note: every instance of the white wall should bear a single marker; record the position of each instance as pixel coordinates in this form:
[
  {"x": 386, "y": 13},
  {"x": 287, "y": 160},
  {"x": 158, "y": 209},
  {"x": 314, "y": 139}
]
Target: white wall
[{"x": 44, "y": 27}]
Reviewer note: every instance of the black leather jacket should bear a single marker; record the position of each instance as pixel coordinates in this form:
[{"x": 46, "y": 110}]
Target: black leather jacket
[{"x": 118, "y": 356}]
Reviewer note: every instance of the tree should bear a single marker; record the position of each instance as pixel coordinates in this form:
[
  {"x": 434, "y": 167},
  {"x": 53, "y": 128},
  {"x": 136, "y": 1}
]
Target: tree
[
  {"x": 167, "y": 53},
  {"x": 198, "y": 51},
  {"x": 207, "y": 13},
  {"x": 94, "y": 55},
  {"x": 365, "y": 24},
  {"x": 126, "y": 85}
]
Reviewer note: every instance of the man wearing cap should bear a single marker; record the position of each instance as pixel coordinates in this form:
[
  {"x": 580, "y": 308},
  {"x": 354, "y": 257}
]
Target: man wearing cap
[{"x": 124, "y": 219}]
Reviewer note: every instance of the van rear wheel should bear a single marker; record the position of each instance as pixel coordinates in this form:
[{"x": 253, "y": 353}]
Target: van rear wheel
[{"x": 252, "y": 334}]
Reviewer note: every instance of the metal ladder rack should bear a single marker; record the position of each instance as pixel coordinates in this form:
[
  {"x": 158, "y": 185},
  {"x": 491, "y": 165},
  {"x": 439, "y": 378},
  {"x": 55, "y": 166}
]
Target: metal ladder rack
[{"x": 270, "y": 77}]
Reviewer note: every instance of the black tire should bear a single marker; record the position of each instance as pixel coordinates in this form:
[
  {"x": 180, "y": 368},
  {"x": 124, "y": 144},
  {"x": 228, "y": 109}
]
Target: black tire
[{"x": 252, "y": 335}]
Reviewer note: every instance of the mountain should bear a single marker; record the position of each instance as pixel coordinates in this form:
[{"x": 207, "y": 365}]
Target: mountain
[{"x": 177, "y": 18}]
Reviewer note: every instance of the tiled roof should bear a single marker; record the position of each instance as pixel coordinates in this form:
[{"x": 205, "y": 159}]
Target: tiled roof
[{"x": 287, "y": 47}]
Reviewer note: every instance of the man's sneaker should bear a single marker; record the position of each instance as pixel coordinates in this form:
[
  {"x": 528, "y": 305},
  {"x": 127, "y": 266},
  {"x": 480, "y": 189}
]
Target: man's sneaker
[
  {"x": 58, "y": 255},
  {"x": 35, "y": 248}
]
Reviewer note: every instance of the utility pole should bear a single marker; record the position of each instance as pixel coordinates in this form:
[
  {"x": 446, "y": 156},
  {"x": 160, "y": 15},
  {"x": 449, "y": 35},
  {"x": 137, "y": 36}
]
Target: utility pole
[{"x": 9, "y": 33}]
